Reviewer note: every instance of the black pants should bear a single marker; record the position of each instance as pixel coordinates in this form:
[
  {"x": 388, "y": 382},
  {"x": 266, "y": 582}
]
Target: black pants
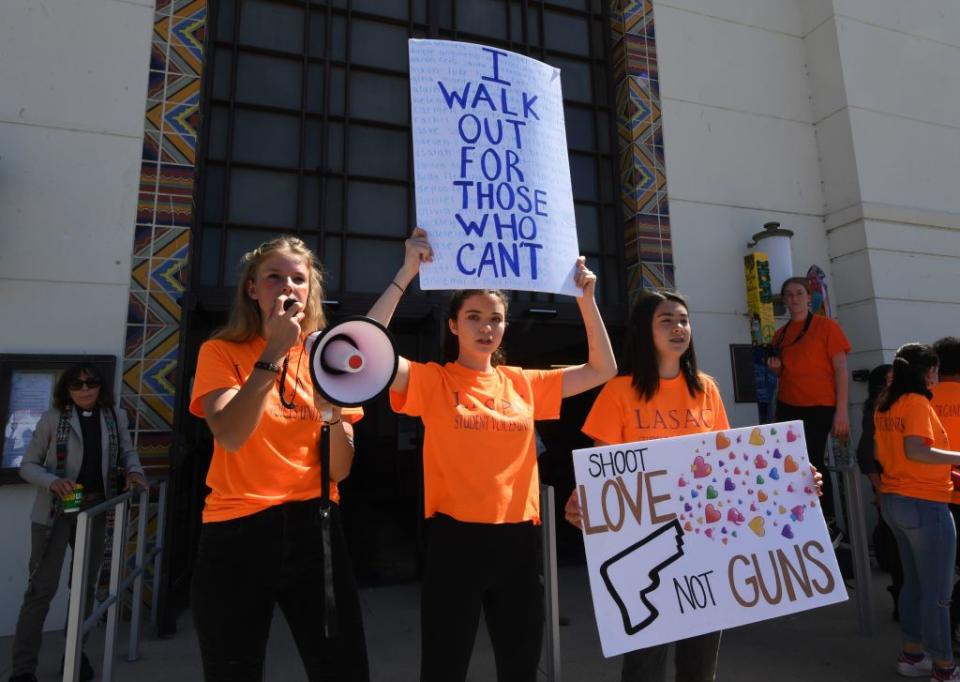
[
  {"x": 817, "y": 424},
  {"x": 474, "y": 565},
  {"x": 244, "y": 566}
]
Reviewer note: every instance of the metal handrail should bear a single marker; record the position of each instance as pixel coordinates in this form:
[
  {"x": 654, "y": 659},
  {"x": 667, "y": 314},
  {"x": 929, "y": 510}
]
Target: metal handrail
[{"x": 77, "y": 627}]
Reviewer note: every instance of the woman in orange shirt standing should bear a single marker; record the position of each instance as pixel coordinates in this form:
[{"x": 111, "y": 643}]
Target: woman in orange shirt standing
[
  {"x": 262, "y": 542},
  {"x": 915, "y": 487},
  {"x": 481, "y": 483},
  {"x": 659, "y": 394}
]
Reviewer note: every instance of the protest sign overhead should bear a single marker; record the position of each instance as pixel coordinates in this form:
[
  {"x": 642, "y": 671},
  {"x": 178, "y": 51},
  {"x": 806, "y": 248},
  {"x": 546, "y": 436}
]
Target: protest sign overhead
[
  {"x": 699, "y": 533},
  {"x": 490, "y": 163}
]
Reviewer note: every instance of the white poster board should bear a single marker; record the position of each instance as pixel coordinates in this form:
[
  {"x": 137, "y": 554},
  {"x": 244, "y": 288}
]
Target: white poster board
[
  {"x": 31, "y": 393},
  {"x": 698, "y": 533},
  {"x": 490, "y": 164}
]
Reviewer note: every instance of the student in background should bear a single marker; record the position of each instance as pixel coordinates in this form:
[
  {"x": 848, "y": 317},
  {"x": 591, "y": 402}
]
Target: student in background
[
  {"x": 885, "y": 545},
  {"x": 481, "y": 484},
  {"x": 812, "y": 368},
  {"x": 915, "y": 487}
]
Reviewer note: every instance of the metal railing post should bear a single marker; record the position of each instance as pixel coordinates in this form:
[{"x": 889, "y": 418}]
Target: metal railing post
[
  {"x": 116, "y": 566},
  {"x": 550, "y": 586},
  {"x": 133, "y": 645},
  {"x": 158, "y": 552},
  {"x": 78, "y": 581}
]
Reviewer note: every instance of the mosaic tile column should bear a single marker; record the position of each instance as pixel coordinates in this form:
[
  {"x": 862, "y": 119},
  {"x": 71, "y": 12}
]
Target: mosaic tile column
[
  {"x": 648, "y": 248},
  {"x": 162, "y": 232}
]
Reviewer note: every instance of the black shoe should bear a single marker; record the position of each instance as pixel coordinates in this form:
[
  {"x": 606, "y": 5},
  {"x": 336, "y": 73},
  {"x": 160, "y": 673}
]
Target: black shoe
[
  {"x": 24, "y": 677},
  {"x": 86, "y": 670}
]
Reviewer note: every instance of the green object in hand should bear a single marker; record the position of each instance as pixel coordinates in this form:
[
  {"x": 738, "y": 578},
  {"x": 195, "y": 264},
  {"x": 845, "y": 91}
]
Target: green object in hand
[{"x": 73, "y": 500}]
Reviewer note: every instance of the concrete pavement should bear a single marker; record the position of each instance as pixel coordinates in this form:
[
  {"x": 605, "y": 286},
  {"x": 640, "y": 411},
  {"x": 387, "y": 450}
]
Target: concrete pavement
[{"x": 821, "y": 645}]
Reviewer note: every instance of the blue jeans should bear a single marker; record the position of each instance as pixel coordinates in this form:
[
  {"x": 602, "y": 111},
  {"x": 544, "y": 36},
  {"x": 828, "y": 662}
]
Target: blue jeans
[{"x": 927, "y": 543}]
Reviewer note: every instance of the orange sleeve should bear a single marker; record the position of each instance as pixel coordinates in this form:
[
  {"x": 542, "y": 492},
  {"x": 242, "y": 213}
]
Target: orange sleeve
[
  {"x": 216, "y": 369},
  {"x": 351, "y": 415},
  {"x": 547, "y": 388},
  {"x": 420, "y": 382},
  {"x": 917, "y": 420},
  {"x": 836, "y": 340},
  {"x": 603, "y": 422},
  {"x": 721, "y": 422}
]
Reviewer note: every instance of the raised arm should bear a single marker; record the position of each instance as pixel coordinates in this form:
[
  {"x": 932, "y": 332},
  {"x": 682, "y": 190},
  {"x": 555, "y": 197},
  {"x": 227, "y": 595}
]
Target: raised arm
[
  {"x": 416, "y": 251},
  {"x": 601, "y": 366}
]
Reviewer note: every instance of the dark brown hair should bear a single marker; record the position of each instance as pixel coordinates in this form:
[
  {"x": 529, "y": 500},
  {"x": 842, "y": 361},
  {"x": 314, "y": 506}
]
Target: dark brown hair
[
  {"x": 451, "y": 345},
  {"x": 640, "y": 359},
  {"x": 61, "y": 391},
  {"x": 910, "y": 367}
]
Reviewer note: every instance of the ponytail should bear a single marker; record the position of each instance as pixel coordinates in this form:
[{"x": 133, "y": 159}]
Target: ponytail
[{"x": 910, "y": 367}]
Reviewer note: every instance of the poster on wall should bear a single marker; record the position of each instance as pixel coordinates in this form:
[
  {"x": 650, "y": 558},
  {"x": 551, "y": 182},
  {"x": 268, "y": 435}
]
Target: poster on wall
[
  {"x": 699, "y": 533},
  {"x": 492, "y": 176},
  {"x": 31, "y": 393}
]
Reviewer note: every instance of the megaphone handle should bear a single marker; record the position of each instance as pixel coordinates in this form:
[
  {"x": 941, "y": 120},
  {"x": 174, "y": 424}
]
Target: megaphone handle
[{"x": 330, "y": 600}]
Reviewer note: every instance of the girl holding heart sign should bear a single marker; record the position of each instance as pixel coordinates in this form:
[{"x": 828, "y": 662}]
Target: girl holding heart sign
[{"x": 660, "y": 394}]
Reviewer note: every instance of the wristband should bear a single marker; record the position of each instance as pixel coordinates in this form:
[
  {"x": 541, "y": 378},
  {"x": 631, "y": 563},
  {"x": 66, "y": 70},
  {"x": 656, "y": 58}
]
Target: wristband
[
  {"x": 269, "y": 366},
  {"x": 332, "y": 423},
  {"x": 402, "y": 290}
]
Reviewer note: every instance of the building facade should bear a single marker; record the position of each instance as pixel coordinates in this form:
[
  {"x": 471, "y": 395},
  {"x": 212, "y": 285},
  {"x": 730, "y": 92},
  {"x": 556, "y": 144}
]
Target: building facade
[{"x": 146, "y": 144}]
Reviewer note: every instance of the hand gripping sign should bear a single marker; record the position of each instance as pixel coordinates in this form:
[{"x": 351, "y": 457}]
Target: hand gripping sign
[
  {"x": 699, "y": 533},
  {"x": 490, "y": 163}
]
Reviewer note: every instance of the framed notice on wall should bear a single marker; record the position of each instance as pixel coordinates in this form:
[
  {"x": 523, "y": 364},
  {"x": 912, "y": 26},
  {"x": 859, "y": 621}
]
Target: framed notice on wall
[{"x": 26, "y": 392}]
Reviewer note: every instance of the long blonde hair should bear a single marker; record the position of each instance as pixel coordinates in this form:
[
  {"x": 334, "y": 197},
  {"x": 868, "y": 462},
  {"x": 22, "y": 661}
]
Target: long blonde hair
[{"x": 245, "y": 323}]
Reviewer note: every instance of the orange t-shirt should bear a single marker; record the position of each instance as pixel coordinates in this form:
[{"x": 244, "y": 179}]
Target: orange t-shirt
[
  {"x": 280, "y": 461},
  {"x": 479, "y": 451},
  {"x": 911, "y": 415},
  {"x": 620, "y": 415},
  {"x": 807, "y": 377},
  {"x": 946, "y": 403}
]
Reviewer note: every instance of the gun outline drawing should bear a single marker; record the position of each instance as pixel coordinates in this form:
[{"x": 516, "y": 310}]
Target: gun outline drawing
[{"x": 653, "y": 574}]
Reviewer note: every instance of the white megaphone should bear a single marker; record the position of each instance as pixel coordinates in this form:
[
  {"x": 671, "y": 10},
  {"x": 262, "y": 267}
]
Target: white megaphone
[{"x": 352, "y": 361}]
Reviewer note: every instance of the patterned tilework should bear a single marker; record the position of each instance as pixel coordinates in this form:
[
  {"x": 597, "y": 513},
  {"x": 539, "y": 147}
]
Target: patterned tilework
[
  {"x": 161, "y": 241},
  {"x": 643, "y": 175}
]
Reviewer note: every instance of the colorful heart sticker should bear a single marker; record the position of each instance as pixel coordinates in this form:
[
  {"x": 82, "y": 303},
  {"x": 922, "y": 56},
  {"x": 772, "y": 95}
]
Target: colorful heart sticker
[
  {"x": 724, "y": 530},
  {"x": 762, "y": 496},
  {"x": 709, "y": 533},
  {"x": 711, "y": 493},
  {"x": 723, "y": 540},
  {"x": 734, "y": 516},
  {"x": 760, "y": 462},
  {"x": 796, "y": 514},
  {"x": 729, "y": 485},
  {"x": 711, "y": 514},
  {"x": 694, "y": 493},
  {"x": 774, "y": 474},
  {"x": 722, "y": 441},
  {"x": 687, "y": 527},
  {"x": 787, "y": 531},
  {"x": 753, "y": 507},
  {"x": 756, "y": 525},
  {"x": 756, "y": 437},
  {"x": 700, "y": 468},
  {"x": 791, "y": 436},
  {"x": 773, "y": 431},
  {"x": 760, "y": 480},
  {"x": 790, "y": 488},
  {"x": 687, "y": 506},
  {"x": 782, "y": 509},
  {"x": 790, "y": 464},
  {"x": 682, "y": 482},
  {"x": 736, "y": 471},
  {"x": 776, "y": 453}
]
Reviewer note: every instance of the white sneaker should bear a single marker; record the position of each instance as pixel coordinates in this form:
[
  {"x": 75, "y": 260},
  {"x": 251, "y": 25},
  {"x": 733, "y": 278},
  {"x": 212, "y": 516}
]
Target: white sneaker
[
  {"x": 922, "y": 668},
  {"x": 954, "y": 676}
]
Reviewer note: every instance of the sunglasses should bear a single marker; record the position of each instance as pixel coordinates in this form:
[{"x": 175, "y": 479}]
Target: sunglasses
[{"x": 89, "y": 382}]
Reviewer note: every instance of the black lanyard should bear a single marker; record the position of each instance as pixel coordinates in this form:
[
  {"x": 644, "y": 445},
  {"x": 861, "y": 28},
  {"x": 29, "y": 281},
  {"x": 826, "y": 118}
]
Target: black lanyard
[{"x": 783, "y": 333}]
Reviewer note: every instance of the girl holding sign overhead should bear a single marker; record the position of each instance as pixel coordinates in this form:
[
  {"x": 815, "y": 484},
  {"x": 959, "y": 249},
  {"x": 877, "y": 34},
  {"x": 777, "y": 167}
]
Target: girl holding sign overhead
[
  {"x": 480, "y": 474},
  {"x": 660, "y": 393}
]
